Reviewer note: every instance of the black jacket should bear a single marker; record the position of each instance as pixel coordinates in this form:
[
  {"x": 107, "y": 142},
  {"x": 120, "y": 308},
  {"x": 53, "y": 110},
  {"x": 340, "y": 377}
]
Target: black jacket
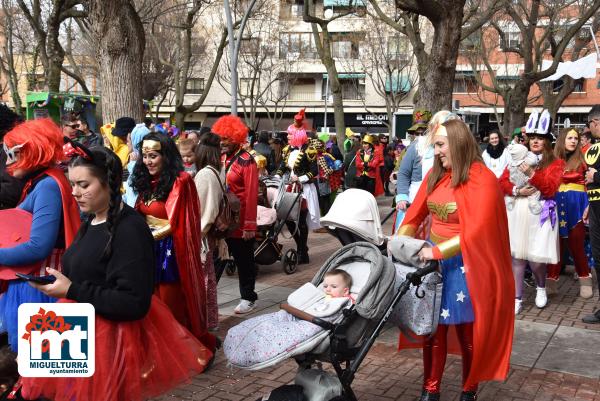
[
  {"x": 266, "y": 150},
  {"x": 10, "y": 187}
]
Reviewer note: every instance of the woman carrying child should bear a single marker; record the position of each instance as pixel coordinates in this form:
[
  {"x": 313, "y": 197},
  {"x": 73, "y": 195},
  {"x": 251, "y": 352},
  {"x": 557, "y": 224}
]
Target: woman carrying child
[{"x": 471, "y": 243}]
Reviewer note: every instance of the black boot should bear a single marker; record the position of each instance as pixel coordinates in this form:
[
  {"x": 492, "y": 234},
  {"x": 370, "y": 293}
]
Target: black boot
[
  {"x": 303, "y": 258},
  {"x": 427, "y": 396},
  {"x": 468, "y": 396}
]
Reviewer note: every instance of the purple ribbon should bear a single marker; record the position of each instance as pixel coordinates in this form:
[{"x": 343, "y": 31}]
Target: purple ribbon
[{"x": 548, "y": 212}]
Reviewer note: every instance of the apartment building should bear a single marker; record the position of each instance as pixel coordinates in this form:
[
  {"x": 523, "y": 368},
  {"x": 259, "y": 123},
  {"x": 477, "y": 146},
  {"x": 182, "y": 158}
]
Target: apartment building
[
  {"x": 280, "y": 71},
  {"x": 478, "y": 104}
]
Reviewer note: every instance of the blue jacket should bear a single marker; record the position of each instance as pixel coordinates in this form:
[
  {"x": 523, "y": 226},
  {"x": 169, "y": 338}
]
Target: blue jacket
[{"x": 408, "y": 172}]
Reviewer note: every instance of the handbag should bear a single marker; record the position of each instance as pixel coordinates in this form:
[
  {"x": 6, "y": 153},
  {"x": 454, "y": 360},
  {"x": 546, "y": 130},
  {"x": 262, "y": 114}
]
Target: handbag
[
  {"x": 418, "y": 311},
  {"x": 324, "y": 187},
  {"x": 288, "y": 207},
  {"x": 228, "y": 219}
]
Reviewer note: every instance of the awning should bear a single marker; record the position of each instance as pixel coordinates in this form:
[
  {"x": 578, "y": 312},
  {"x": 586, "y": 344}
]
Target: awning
[
  {"x": 398, "y": 84},
  {"x": 464, "y": 73},
  {"x": 343, "y": 3},
  {"x": 508, "y": 77},
  {"x": 347, "y": 76}
]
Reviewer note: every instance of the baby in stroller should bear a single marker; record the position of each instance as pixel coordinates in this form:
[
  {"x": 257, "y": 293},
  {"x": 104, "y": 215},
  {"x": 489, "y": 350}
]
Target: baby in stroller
[{"x": 355, "y": 277}]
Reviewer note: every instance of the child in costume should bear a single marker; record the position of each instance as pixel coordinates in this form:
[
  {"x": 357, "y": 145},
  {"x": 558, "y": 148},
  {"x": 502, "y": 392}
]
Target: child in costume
[
  {"x": 187, "y": 147},
  {"x": 33, "y": 151},
  {"x": 519, "y": 155}
]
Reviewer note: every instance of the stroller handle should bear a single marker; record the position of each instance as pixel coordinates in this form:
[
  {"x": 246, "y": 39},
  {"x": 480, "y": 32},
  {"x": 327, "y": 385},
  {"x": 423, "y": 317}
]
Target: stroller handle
[
  {"x": 415, "y": 277},
  {"x": 306, "y": 316}
]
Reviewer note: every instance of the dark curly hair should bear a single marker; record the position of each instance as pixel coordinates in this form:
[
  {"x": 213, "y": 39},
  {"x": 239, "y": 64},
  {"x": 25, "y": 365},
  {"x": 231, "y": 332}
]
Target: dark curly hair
[
  {"x": 106, "y": 167},
  {"x": 8, "y": 119},
  {"x": 172, "y": 165}
]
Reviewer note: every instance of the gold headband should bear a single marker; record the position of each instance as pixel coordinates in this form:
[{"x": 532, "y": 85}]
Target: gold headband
[
  {"x": 572, "y": 131},
  {"x": 149, "y": 145},
  {"x": 440, "y": 130}
]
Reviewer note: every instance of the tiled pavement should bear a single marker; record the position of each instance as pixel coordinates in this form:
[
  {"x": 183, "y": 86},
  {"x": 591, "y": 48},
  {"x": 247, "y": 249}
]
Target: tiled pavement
[{"x": 555, "y": 356}]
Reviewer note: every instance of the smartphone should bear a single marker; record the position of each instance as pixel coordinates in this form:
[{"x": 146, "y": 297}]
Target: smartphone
[{"x": 37, "y": 279}]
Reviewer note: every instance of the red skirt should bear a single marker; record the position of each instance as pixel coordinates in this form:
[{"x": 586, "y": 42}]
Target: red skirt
[{"x": 135, "y": 361}]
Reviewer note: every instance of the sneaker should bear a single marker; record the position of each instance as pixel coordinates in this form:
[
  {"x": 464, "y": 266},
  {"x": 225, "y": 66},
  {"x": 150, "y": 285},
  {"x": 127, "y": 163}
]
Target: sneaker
[
  {"x": 518, "y": 306},
  {"x": 244, "y": 306},
  {"x": 594, "y": 318},
  {"x": 541, "y": 299}
]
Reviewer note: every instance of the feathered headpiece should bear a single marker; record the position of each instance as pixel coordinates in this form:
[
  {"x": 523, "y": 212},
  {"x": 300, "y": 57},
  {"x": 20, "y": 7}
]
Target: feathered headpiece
[
  {"x": 299, "y": 118},
  {"x": 232, "y": 128}
]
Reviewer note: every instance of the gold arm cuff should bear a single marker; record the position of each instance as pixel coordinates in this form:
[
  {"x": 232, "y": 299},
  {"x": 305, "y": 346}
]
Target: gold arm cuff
[
  {"x": 407, "y": 230},
  {"x": 160, "y": 227},
  {"x": 450, "y": 247}
]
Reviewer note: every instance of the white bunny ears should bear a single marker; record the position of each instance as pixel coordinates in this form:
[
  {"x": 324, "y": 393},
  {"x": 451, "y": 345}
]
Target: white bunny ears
[{"x": 539, "y": 125}]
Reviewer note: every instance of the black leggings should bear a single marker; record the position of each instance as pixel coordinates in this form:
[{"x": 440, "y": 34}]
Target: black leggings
[
  {"x": 366, "y": 183},
  {"x": 300, "y": 235}
]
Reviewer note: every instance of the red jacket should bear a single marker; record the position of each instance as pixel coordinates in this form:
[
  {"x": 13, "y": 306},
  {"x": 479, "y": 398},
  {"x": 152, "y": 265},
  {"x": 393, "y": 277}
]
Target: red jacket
[
  {"x": 546, "y": 180},
  {"x": 242, "y": 180},
  {"x": 369, "y": 167}
]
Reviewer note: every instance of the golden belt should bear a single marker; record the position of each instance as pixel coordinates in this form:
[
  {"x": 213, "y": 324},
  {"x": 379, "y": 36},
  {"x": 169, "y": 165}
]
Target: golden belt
[
  {"x": 160, "y": 227},
  {"x": 571, "y": 187}
]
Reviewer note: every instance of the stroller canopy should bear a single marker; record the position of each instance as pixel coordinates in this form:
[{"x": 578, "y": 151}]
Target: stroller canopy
[
  {"x": 356, "y": 210},
  {"x": 376, "y": 277}
]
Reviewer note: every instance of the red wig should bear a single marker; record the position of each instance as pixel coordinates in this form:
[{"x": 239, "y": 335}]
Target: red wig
[
  {"x": 232, "y": 128},
  {"x": 42, "y": 142}
]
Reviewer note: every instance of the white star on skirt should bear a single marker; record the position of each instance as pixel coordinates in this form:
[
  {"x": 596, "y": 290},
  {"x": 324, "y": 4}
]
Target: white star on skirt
[
  {"x": 460, "y": 296},
  {"x": 168, "y": 252},
  {"x": 462, "y": 269},
  {"x": 445, "y": 313}
]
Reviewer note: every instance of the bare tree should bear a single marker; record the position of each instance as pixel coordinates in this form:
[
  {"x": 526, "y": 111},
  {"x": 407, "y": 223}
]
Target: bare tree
[
  {"x": 46, "y": 19},
  {"x": 581, "y": 46},
  {"x": 528, "y": 33},
  {"x": 386, "y": 59},
  {"x": 7, "y": 54},
  {"x": 118, "y": 31},
  {"x": 451, "y": 20},
  {"x": 323, "y": 42}
]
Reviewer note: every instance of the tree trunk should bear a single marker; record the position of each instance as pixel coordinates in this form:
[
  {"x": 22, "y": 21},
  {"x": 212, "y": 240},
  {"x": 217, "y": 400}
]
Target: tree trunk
[
  {"x": 514, "y": 107},
  {"x": 436, "y": 70},
  {"x": 56, "y": 58},
  {"x": 119, "y": 33}
]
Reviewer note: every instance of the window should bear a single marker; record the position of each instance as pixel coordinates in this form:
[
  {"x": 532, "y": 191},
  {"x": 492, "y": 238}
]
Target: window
[
  {"x": 299, "y": 89},
  {"x": 506, "y": 81},
  {"x": 578, "y": 88},
  {"x": 345, "y": 45},
  {"x": 465, "y": 82},
  {"x": 512, "y": 39},
  {"x": 352, "y": 88},
  {"x": 195, "y": 86},
  {"x": 35, "y": 82},
  {"x": 245, "y": 88},
  {"x": 290, "y": 9},
  {"x": 397, "y": 48},
  {"x": 250, "y": 46},
  {"x": 297, "y": 44},
  {"x": 471, "y": 42}
]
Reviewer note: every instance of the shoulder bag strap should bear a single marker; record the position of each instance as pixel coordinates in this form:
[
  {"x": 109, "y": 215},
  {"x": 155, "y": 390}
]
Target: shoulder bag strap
[{"x": 211, "y": 168}]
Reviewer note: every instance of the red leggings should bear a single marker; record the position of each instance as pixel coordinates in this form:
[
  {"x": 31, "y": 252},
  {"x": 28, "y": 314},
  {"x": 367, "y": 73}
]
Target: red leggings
[
  {"x": 434, "y": 356},
  {"x": 575, "y": 242}
]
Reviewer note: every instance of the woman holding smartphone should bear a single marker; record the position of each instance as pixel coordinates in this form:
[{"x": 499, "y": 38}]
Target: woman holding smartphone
[{"x": 143, "y": 350}]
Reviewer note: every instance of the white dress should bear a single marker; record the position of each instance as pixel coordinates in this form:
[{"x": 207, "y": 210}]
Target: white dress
[
  {"x": 309, "y": 192},
  {"x": 530, "y": 240}
]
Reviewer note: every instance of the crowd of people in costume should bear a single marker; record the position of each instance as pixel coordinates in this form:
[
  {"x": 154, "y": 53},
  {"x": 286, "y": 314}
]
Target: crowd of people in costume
[
  {"x": 127, "y": 220},
  {"x": 522, "y": 207}
]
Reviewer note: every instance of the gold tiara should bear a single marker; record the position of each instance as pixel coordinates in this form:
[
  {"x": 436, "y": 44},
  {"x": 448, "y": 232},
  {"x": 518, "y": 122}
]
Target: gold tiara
[{"x": 149, "y": 145}]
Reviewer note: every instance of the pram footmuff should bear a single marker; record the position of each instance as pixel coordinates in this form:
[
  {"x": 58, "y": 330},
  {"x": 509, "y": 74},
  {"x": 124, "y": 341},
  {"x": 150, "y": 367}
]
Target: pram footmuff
[{"x": 266, "y": 340}]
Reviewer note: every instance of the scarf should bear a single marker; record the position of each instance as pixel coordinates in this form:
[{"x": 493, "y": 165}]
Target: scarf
[{"x": 495, "y": 151}]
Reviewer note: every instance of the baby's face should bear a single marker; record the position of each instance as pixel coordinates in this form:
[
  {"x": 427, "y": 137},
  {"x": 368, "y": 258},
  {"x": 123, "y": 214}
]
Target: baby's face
[{"x": 335, "y": 287}]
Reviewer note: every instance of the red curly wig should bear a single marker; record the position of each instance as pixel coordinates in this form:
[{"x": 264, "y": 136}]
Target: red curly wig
[
  {"x": 232, "y": 128},
  {"x": 42, "y": 142}
]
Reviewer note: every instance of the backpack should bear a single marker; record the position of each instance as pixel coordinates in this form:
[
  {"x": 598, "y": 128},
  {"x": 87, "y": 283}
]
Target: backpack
[{"x": 228, "y": 219}]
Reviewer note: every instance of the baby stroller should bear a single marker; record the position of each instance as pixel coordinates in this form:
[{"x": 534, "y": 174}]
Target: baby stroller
[
  {"x": 342, "y": 341},
  {"x": 287, "y": 206}
]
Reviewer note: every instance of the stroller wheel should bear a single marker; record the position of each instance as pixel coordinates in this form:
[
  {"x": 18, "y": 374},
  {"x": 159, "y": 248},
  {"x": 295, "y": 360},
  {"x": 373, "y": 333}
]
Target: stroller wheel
[
  {"x": 290, "y": 261},
  {"x": 230, "y": 268}
]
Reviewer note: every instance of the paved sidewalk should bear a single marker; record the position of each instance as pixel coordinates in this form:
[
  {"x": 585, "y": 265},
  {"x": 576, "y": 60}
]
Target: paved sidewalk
[{"x": 555, "y": 356}]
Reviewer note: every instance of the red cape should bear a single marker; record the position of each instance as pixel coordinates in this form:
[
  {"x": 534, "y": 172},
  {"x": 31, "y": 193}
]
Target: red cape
[
  {"x": 183, "y": 209},
  {"x": 379, "y": 190},
  {"x": 486, "y": 252}
]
